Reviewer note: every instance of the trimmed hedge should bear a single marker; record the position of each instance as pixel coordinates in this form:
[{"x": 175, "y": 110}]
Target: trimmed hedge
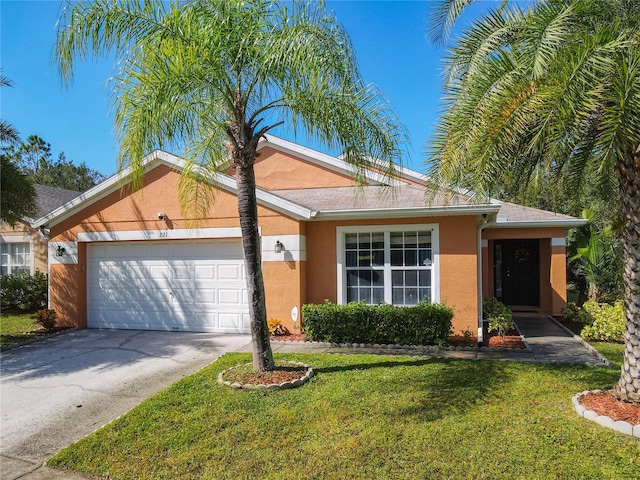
[
  {"x": 424, "y": 324},
  {"x": 23, "y": 292}
]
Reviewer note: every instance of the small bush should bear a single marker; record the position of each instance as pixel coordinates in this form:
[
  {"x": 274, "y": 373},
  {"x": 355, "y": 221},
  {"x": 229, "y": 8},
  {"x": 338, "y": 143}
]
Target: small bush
[
  {"x": 46, "y": 318},
  {"x": 499, "y": 316},
  {"x": 572, "y": 313},
  {"x": 608, "y": 321},
  {"x": 424, "y": 324},
  {"x": 23, "y": 292},
  {"x": 276, "y": 328}
]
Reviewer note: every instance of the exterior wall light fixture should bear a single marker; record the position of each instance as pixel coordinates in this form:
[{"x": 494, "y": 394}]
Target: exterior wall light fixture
[
  {"x": 279, "y": 247},
  {"x": 60, "y": 251}
]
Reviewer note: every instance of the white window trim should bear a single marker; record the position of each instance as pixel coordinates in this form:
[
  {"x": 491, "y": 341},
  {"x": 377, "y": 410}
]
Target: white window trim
[
  {"x": 22, "y": 239},
  {"x": 435, "y": 248}
]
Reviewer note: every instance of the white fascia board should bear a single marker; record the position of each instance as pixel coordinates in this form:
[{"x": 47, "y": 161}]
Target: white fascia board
[
  {"x": 160, "y": 157},
  {"x": 565, "y": 223},
  {"x": 439, "y": 211}
]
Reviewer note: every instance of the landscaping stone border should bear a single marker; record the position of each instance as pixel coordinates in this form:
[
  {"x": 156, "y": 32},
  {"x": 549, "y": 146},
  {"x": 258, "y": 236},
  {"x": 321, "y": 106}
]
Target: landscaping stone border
[
  {"x": 619, "y": 426},
  {"x": 298, "y": 382},
  {"x": 415, "y": 348}
]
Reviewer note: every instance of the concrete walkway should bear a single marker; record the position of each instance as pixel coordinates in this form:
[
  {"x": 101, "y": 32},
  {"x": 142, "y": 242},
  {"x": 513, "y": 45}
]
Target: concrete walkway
[{"x": 547, "y": 342}]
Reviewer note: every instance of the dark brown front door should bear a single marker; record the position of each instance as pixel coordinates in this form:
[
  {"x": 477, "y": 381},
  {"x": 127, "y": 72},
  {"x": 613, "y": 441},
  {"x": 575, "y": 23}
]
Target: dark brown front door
[{"x": 517, "y": 272}]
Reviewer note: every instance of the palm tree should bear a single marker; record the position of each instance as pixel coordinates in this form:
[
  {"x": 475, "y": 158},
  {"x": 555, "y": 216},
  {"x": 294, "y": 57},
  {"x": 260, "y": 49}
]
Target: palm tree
[
  {"x": 213, "y": 77},
  {"x": 8, "y": 134},
  {"x": 552, "y": 86}
]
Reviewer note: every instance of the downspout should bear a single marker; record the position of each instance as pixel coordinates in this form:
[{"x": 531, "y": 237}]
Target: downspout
[{"x": 485, "y": 224}]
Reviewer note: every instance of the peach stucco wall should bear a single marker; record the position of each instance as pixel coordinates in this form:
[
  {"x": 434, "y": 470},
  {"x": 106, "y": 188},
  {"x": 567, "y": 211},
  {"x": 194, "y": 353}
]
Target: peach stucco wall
[
  {"x": 280, "y": 171},
  {"x": 458, "y": 279},
  {"x": 284, "y": 282}
]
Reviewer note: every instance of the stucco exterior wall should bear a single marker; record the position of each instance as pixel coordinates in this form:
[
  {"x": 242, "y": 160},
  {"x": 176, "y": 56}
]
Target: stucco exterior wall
[
  {"x": 20, "y": 232},
  {"x": 134, "y": 211},
  {"x": 458, "y": 279}
]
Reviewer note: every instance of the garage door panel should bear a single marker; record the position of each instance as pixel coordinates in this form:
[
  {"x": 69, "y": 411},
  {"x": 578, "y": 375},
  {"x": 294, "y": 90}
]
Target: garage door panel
[{"x": 179, "y": 285}]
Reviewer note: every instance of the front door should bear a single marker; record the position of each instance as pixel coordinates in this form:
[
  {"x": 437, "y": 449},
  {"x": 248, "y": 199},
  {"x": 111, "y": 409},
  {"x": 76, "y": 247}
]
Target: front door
[{"x": 517, "y": 272}]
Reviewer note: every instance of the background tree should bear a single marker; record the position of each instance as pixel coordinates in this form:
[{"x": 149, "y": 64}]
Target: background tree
[
  {"x": 17, "y": 196},
  {"x": 34, "y": 159},
  {"x": 551, "y": 87},
  {"x": 212, "y": 78}
]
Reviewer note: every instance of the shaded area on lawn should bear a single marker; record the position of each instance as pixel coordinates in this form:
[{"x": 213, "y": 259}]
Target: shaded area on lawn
[{"x": 365, "y": 416}]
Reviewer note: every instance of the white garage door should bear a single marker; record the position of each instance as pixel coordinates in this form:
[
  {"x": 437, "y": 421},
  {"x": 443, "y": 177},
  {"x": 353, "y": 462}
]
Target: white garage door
[{"x": 182, "y": 285}]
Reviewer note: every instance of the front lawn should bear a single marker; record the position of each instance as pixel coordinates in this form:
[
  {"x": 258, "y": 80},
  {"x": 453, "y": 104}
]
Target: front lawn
[
  {"x": 366, "y": 416},
  {"x": 14, "y": 328}
]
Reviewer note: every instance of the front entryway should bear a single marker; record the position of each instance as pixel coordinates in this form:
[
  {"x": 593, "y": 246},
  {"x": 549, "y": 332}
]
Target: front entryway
[
  {"x": 196, "y": 286},
  {"x": 517, "y": 272}
]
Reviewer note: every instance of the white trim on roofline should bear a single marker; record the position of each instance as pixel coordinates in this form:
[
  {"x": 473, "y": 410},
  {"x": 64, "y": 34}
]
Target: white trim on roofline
[
  {"x": 406, "y": 212},
  {"x": 565, "y": 223},
  {"x": 155, "y": 158}
]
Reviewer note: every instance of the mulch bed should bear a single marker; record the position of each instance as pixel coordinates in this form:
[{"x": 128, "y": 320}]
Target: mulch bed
[
  {"x": 282, "y": 373},
  {"x": 606, "y": 404}
]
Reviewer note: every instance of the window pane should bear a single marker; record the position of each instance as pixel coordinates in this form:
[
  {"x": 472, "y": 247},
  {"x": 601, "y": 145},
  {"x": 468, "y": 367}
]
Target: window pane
[
  {"x": 410, "y": 239},
  {"x": 425, "y": 293},
  {"x": 411, "y": 278},
  {"x": 377, "y": 240},
  {"x": 397, "y": 240},
  {"x": 352, "y": 294},
  {"x": 352, "y": 259},
  {"x": 365, "y": 295},
  {"x": 397, "y": 296},
  {"x": 351, "y": 240},
  {"x": 5, "y": 248},
  {"x": 364, "y": 259},
  {"x": 364, "y": 241},
  {"x": 410, "y": 258},
  {"x": 378, "y": 258},
  {"x": 378, "y": 296},
  {"x": 365, "y": 277},
  {"x": 424, "y": 239},
  {"x": 377, "y": 278},
  {"x": 424, "y": 258},
  {"x": 396, "y": 278},
  {"x": 352, "y": 278},
  {"x": 410, "y": 296},
  {"x": 425, "y": 278},
  {"x": 396, "y": 258}
]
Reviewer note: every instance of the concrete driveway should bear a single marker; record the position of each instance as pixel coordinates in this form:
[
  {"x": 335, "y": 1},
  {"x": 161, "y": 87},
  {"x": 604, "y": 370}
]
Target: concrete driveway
[{"x": 54, "y": 392}]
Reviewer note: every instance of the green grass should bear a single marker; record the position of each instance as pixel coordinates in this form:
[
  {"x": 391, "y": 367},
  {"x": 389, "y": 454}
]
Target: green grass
[
  {"x": 365, "y": 416},
  {"x": 14, "y": 328},
  {"x": 613, "y": 351}
]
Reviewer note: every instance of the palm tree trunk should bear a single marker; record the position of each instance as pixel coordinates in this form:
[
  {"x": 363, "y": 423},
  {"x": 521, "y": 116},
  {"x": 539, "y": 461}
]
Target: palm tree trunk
[
  {"x": 628, "y": 387},
  {"x": 248, "y": 213}
]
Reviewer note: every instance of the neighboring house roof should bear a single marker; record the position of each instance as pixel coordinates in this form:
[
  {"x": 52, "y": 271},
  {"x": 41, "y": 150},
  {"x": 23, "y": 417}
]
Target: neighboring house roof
[
  {"x": 369, "y": 201},
  {"x": 50, "y": 198}
]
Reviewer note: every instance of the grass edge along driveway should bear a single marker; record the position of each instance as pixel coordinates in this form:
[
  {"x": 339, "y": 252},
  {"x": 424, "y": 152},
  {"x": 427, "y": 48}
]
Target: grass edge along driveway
[{"x": 366, "y": 416}]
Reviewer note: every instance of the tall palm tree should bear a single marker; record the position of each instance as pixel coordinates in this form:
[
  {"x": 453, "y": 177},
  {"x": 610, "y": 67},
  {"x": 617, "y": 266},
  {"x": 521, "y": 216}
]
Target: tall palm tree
[
  {"x": 553, "y": 85},
  {"x": 8, "y": 134},
  {"x": 213, "y": 77}
]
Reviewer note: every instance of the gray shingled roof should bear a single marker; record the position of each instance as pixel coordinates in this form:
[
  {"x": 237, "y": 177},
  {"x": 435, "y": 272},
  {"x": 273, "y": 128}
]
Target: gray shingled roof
[
  {"x": 50, "y": 198},
  {"x": 511, "y": 212},
  {"x": 367, "y": 198}
]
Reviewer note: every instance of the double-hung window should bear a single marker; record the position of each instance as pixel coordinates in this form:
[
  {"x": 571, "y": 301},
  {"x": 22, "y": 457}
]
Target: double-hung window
[
  {"x": 394, "y": 264},
  {"x": 15, "y": 258}
]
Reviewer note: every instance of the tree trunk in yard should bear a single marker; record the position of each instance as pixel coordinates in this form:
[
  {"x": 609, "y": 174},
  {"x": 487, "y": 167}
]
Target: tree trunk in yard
[
  {"x": 248, "y": 213},
  {"x": 628, "y": 387}
]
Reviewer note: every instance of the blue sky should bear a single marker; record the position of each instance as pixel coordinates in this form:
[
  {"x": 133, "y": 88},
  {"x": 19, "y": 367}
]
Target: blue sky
[{"x": 389, "y": 38}]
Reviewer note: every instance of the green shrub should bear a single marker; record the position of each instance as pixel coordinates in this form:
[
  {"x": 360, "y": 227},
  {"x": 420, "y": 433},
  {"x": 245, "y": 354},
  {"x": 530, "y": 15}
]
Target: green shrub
[
  {"x": 46, "y": 318},
  {"x": 573, "y": 313},
  {"x": 608, "y": 321},
  {"x": 23, "y": 292},
  {"x": 499, "y": 316},
  {"x": 423, "y": 324}
]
